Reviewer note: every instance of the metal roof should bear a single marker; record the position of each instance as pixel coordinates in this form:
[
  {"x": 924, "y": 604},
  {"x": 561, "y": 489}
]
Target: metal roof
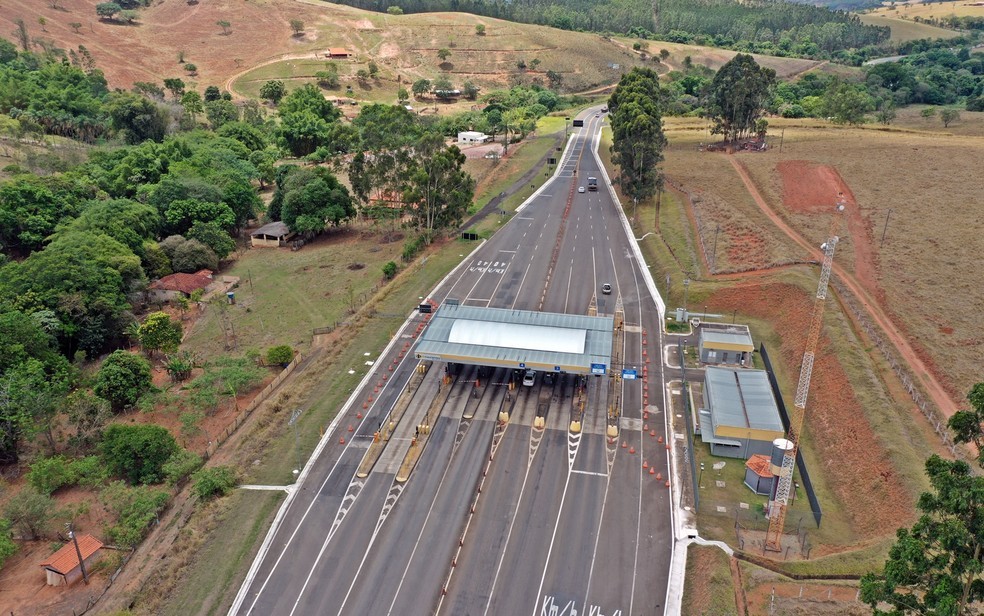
[
  {"x": 518, "y": 339},
  {"x": 707, "y": 431},
  {"x": 735, "y": 336},
  {"x": 741, "y": 398}
]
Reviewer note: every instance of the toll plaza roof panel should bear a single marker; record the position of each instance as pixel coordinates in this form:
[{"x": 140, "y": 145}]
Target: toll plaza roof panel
[{"x": 518, "y": 338}]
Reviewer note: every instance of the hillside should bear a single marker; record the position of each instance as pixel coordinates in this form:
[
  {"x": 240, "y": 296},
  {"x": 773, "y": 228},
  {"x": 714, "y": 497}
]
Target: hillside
[{"x": 404, "y": 46}]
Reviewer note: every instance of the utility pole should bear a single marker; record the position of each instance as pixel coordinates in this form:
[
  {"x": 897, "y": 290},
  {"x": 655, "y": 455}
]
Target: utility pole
[
  {"x": 885, "y": 229},
  {"x": 78, "y": 552}
]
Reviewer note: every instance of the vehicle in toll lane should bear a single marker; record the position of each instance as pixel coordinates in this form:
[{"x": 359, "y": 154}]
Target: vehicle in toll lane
[
  {"x": 606, "y": 289},
  {"x": 529, "y": 378}
]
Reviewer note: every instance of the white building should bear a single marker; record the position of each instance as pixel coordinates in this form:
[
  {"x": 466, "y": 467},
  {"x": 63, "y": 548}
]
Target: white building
[{"x": 472, "y": 136}]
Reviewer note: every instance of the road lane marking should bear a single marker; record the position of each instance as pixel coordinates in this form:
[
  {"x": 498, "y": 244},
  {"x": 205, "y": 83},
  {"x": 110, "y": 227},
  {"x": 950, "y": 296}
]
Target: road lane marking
[{"x": 593, "y": 474}]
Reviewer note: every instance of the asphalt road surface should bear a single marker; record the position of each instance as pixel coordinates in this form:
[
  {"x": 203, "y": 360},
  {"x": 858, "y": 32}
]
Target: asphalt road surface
[{"x": 499, "y": 518}]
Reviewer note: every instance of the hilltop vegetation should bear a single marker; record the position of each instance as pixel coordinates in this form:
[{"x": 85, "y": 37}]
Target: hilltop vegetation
[{"x": 763, "y": 26}]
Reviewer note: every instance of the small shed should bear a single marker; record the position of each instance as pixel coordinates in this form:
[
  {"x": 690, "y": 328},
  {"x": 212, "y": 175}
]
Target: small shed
[
  {"x": 272, "y": 235},
  {"x": 472, "y": 136},
  {"x": 725, "y": 344},
  {"x": 758, "y": 474},
  {"x": 62, "y": 568},
  {"x": 173, "y": 286},
  {"x": 338, "y": 52}
]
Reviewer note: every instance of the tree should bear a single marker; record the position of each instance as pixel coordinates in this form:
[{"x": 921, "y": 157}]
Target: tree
[
  {"x": 637, "y": 133},
  {"x": 846, "y": 103},
  {"x": 75, "y": 25},
  {"x": 30, "y": 512},
  {"x": 948, "y": 116},
  {"x": 442, "y": 88},
  {"x": 373, "y": 69},
  {"x": 29, "y": 403},
  {"x": 138, "y": 452},
  {"x": 191, "y": 256},
  {"x": 389, "y": 269},
  {"x": 420, "y": 87},
  {"x": 394, "y": 10},
  {"x": 182, "y": 214},
  {"x": 534, "y": 63},
  {"x": 936, "y": 566},
  {"x": 470, "y": 90},
  {"x": 106, "y": 10},
  {"x": 273, "y": 91},
  {"x": 192, "y": 103},
  {"x": 88, "y": 414},
  {"x": 122, "y": 379},
  {"x": 444, "y": 53},
  {"x": 402, "y": 96},
  {"x": 968, "y": 426},
  {"x": 175, "y": 86},
  {"x": 314, "y": 199},
  {"x": 439, "y": 188},
  {"x": 42, "y": 22},
  {"x": 136, "y": 117},
  {"x": 737, "y": 96},
  {"x": 221, "y": 112},
  {"x": 307, "y": 120},
  {"x": 554, "y": 78},
  {"x": 480, "y": 29},
  {"x": 225, "y": 25},
  {"x": 159, "y": 333},
  {"x": 213, "y": 236},
  {"x": 297, "y": 26}
]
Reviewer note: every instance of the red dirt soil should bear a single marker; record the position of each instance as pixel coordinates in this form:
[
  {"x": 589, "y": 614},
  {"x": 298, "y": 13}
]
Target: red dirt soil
[
  {"x": 814, "y": 189},
  {"x": 857, "y": 467},
  {"x": 923, "y": 370}
]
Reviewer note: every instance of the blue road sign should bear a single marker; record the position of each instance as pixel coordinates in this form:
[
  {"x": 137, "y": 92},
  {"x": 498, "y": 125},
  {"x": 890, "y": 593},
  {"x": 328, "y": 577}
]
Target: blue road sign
[
  {"x": 629, "y": 375},
  {"x": 556, "y": 368},
  {"x": 522, "y": 365},
  {"x": 598, "y": 368}
]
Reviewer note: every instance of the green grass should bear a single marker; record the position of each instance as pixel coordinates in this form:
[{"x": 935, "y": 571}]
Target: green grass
[
  {"x": 212, "y": 580},
  {"x": 709, "y": 588},
  {"x": 328, "y": 384},
  {"x": 315, "y": 282}
]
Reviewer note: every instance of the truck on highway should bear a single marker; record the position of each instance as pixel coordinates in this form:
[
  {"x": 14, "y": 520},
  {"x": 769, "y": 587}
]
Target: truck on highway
[{"x": 593, "y": 184}]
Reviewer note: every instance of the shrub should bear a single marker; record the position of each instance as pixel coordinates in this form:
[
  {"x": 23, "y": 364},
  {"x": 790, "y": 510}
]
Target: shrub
[
  {"x": 89, "y": 471},
  {"x": 180, "y": 465},
  {"x": 389, "y": 270},
  {"x": 30, "y": 511},
  {"x": 135, "y": 508},
  {"x": 138, "y": 452},
  {"x": 280, "y": 355},
  {"x": 215, "y": 481},
  {"x": 7, "y": 545},
  {"x": 49, "y": 474}
]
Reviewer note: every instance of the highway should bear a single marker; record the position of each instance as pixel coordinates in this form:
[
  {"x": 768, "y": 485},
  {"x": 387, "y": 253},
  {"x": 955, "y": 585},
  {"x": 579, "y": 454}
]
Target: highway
[{"x": 497, "y": 518}]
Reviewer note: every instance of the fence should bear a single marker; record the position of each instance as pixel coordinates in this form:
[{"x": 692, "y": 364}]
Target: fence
[
  {"x": 939, "y": 424},
  {"x": 811, "y": 494},
  {"x": 689, "y": 453},
  {"x": 246, "y": 412}
]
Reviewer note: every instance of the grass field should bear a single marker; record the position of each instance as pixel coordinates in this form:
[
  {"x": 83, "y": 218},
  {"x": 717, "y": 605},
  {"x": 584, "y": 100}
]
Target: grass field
[
  {"x": 284, "y": 294},
  {"x": 930, "y": 183},
  {"x": 709, "y": 588},
  {"x": 904, "y": 29}
]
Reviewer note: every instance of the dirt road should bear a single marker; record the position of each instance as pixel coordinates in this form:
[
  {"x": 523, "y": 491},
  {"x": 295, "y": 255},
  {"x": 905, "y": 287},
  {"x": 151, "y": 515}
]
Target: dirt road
[{"x": 921, "y": 373}]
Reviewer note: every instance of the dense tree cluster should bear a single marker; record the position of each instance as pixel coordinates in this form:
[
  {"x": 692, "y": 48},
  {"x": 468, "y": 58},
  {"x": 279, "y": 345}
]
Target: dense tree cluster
[
  {"x": 637, "y": 133},
  {"x": 762, "y": 26}
]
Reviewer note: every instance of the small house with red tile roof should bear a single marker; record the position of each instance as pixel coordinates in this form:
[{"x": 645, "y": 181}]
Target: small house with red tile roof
[
  {"x": 63, "y": 567},
  {"x": 338, "y": 52},
  {"x": 758, "y": 474},
  {"x": 178, "y": 285}
]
